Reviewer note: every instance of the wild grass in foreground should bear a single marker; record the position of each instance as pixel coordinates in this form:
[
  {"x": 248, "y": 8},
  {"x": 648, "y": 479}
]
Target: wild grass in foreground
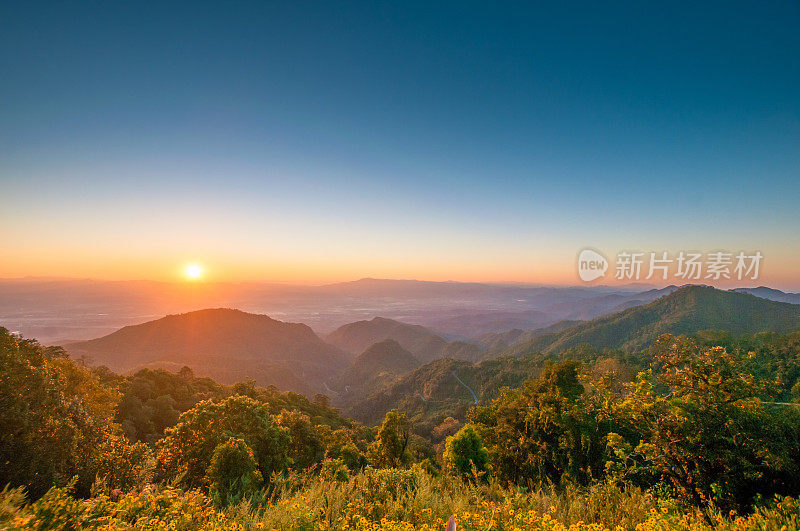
[{"x": 390, "y": 499}]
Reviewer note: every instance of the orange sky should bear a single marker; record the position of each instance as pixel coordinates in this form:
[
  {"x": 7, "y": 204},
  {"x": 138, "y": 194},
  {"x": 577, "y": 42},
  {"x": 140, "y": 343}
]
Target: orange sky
[{"x": 543, "y": 268}]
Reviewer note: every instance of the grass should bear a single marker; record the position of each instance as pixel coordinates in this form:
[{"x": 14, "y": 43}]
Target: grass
[{"x": 388, "y": 500}]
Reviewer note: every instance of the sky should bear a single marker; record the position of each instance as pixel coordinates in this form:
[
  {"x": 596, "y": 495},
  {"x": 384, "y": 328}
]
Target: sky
[{"x": 314, "y": 142}]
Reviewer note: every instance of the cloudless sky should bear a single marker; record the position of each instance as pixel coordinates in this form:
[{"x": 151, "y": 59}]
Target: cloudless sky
[{"x": 311, "y": 142}]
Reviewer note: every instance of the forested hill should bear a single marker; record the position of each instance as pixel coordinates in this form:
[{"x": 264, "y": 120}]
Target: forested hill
[
  {"x": 228, "y": 345},
  {"x": 423, "y": 343},
  {"x": 373, "y": 369},
  {"x": 356, "y": 337},
  {"x": 686, "y": 311},
  {"x": 431, "y": 393}
]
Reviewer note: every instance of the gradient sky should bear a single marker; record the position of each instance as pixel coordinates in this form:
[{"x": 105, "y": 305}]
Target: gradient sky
[{"x": 312, "y": 142}]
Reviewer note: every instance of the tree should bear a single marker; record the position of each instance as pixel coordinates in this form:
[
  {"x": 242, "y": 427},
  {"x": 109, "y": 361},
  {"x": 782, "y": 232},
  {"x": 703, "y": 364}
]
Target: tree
[
  {"x": 54, "y": 415},
  {"x": 448, "y": 427},
  {"x": 233, "y": 473},
  {"x": 391, "y": 448},
  {"x": 121, "y": 465},
  {"x": 465, "y": 453},
  {"x": 188, "y": 447},
  {"x": 701, "y": 426},
  {"x": 547, "y": 431},
  {"x": 307, "y": 448},
  {"x": 346, "y": 444}
]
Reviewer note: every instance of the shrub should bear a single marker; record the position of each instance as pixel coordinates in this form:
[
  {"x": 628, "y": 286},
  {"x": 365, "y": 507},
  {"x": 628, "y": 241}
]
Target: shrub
[
  {"x": 334, "y": 470},
  {"x": 187, "y": 448},
  {"x": 233, "y": 473},
  {"x": 465, "y": 453}
]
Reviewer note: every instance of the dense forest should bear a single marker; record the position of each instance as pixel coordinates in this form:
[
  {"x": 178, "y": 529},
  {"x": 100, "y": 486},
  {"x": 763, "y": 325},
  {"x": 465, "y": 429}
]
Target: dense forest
[{"x": 691, "y": 432}]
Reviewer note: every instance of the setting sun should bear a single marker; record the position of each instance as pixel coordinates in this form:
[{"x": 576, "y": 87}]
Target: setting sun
[{"x": 193, "y": 271}]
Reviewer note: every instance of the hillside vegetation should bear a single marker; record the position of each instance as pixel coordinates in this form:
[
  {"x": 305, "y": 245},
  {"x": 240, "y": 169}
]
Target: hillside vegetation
[
  {"x": 686, "y": 311},
  {"x": 690, "y": 432},
  {"x": 694, "y": 442},
  {"x": 378, "y": 366}
]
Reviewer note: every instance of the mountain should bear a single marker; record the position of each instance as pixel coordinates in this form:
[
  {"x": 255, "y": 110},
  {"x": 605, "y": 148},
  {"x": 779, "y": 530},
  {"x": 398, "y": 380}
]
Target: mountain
[
  {"x": 479, "y": 323},
  {"x": 444, "y": 388},
  {"x": 604, "y": 304},
  {"x": 496, "y": 341},
  {"x": 227, "y": 345},
  {"x": 373, "y": 369},
  {"x": 57, "y": 310},
  {"x": 463, "y": 350},
  {"x": 685, "y": 311},
  {"x": 356, "y": 337},
  {"x": 771, "y": 294}
]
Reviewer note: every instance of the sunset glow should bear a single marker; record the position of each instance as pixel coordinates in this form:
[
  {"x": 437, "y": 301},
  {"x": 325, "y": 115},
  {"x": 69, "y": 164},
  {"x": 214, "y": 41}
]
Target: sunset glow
[
  {"x": 275, "y": 153},
  {"x": 193, "y": 272}
]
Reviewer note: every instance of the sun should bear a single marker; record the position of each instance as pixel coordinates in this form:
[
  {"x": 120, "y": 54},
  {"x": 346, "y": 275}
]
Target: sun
[{"x": 193, "y": 271}]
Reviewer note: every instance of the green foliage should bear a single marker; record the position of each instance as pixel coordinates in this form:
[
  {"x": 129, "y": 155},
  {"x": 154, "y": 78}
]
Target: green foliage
[
  {"x": 121, "y": 465},
  {"x": 334, "y": 470},
  {"x": 548, "y": 431},
  {"x": 699, "y": 423},
  {"x": 346, "y": 444},
  {"x": 430, "y": 394},
  {"x": 55, "y": 416},
  {"x": 233, "y": 473},
  {"x": 465, "y": 453},
  {"x": 186, "y": 450},
  {"x": 391, "y": 448},
  {"x": 307, "y": 447},
  {"x": 152, "y": 400},
  {"x": 318, "y": 410},
  {"x": 686, "y": 311},
  {"x": 709, "y": 424}
]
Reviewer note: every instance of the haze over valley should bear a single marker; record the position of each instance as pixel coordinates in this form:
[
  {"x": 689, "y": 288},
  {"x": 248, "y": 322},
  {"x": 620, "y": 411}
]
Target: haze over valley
[{"x": 371, "y": 366}]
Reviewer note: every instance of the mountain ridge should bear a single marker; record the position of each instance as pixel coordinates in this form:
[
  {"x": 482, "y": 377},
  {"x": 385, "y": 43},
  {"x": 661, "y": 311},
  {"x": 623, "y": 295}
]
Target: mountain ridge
[{"x": 685, "y": 311}]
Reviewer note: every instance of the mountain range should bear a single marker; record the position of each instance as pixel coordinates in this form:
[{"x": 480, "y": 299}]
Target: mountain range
[
  {"x": 370, "y": 365},
  {"x": 59, "y": 310},
  {"x": 685, "y": 311},
  {"x": 433, "y": 391},
  {"x": 771, "y": 294}
]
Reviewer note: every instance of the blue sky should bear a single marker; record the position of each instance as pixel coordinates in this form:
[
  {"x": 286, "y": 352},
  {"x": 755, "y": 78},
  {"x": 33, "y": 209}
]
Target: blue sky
[{"x": 430, "y": 140}]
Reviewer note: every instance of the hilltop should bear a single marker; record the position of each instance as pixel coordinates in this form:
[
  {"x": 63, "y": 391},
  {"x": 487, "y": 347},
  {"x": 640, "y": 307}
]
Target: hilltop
[
  {"x": 373, "y": 369},
  {"x": 228, "y": 345},
  {"x": 423, "y": 343}
]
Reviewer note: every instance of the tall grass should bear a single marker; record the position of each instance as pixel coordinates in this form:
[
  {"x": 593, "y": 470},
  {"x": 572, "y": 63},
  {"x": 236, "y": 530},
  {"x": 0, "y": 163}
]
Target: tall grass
[{"x": 388, "y": 500}]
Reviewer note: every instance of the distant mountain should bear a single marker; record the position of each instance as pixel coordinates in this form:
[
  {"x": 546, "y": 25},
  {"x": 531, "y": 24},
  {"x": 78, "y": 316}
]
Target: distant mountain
[
  {"x": 55, "y": 310},
  {"x": 476, "y": 324},
  {"x": 227, "y": 345},
  {"x": 463, "y": 350},
  {"x": 604, "y": 304},
  {"x": 384, "y": 287},
  {"x": 685, "y": 311},
  {"x": 356, "y": 337},
  {"x": 771, "y": 294},
  {"x": 496, "y": 341},
  {"x": 373, "y": 369}
]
